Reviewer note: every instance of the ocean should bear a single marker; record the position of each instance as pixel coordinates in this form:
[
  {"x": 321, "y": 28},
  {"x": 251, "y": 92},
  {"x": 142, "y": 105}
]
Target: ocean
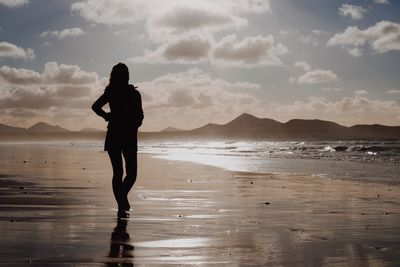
[
  {"x": 373, "y": 161},
  {"x": 360, "y": 160}
]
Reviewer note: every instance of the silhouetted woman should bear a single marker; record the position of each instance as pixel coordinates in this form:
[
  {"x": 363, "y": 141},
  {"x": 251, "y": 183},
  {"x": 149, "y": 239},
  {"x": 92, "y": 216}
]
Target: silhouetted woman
[{"x": 124, "y": 119}]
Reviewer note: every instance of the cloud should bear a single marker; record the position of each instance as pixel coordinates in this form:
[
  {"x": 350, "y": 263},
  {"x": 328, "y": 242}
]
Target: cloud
[
  {"x": 13, "y": 51},
  {"x": 393, "y": 91},
  {"x": 249, "y": 52},
  {"x": 361, "y": 92},
  {"x": 312, "y": 76},
  {"x": 53, "y": 73},
  {"x": 164, "y": 20},
  {"x": 71, "y": 32},
  {"x": 302, "y": 64},
  {"x": 195, "y": 98},
  {"x": 13, "y": 3},
  {"x": 67, "y": 74},
  {"x": 352, "y": 11},
  {"x": 189, "y": 19},
  {"x": 20, "y": 76},
  {"x": 382, "y": 37},
  {"x": 189, "y": 50},
  {"x": 355, "y": 51},
  {"x": 29, "y": 98},
  {"x": 313, "y": 37},
  {"x": 58, "y": 86},
  {"x": 63, "y": 94},
  {"x": 113, "y": 12},
  {"x": 386, "y": 2},
  {"x": 317, "y": 76},
  {"x": 116, "y": 12},
  {"x": 184, "y": 31},
  {"x": 332, "y": 89}
]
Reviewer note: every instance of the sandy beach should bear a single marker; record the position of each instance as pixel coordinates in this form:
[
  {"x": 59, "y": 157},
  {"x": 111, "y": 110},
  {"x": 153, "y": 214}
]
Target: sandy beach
[{"x": 57, "y": 209}]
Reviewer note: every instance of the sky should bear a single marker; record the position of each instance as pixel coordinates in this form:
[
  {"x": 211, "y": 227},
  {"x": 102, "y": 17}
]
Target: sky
[{"x": 202, "y": 61}]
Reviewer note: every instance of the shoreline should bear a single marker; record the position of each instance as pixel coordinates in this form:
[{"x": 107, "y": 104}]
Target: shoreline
[
  {"x": 348, "y": 170},
  {"x": 187, "y": 213}
]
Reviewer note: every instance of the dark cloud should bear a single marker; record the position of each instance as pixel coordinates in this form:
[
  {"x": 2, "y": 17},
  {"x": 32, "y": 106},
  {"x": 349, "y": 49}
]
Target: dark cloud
[
  {"x": 180, "y": 98},
  {"x": 187, "y": 18},
  {"x": 35, "y": 98},
  {"x": 189, "y": 49},
  {"x": 58, "y": 86},
  {"x": 20, "y": 76},
  {"x": 250, "y": 51}
]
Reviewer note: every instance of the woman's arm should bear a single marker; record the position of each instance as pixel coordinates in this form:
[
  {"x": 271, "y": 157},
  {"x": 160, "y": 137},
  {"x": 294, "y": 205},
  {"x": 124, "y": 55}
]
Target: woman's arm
[
  {"x": 97, "y": 107},
  {"x": 141, "y": 114}
]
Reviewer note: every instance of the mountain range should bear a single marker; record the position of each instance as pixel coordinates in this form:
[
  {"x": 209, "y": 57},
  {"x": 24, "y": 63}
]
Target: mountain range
[
  {"x": 40, "y": 127},
  {"x": 245, "y": 126}
]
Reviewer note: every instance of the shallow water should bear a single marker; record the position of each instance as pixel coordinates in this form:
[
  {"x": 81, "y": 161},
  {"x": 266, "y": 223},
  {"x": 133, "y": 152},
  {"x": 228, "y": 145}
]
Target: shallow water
[
  {"x": 370, "y": 161},
  {"x": 360, "y": 160}
]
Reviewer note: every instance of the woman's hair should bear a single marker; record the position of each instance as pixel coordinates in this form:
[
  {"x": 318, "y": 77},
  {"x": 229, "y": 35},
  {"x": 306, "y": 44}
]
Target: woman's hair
[{"x": 119, "y": 75}]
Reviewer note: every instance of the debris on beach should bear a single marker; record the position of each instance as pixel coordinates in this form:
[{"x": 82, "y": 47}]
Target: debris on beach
[{"x": 296, "y": 230}]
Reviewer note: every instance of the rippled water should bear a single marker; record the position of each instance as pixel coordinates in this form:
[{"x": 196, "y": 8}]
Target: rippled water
[
  {"x": 361, "y": 151},
  {"x": 376, "y": 161}
]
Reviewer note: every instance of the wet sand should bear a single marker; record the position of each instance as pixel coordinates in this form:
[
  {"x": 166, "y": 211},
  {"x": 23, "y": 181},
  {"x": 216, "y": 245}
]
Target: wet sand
[{"x": 57, "y": 209}]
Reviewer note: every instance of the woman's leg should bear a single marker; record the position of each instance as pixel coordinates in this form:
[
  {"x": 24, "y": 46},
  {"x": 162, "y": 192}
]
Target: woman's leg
[
  {"x": 130, "y": 157},
  {"x": 116, "y": 162}
]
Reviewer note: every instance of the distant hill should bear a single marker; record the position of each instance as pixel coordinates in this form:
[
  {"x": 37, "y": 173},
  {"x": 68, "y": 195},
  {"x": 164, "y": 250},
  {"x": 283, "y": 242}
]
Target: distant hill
[
  {"x": 172, "y": 129},
  {"x": 10, "y": 129},
  {"x": 245, "y": 126},
  {"x": 249, "y": 126},
  {"x": 42, "y": 127}
]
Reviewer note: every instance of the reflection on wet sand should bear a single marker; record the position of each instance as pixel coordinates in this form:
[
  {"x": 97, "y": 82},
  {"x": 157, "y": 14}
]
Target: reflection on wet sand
[
  {"x": 121, "y": 250},
  {"x": 184, "y": 213}
]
